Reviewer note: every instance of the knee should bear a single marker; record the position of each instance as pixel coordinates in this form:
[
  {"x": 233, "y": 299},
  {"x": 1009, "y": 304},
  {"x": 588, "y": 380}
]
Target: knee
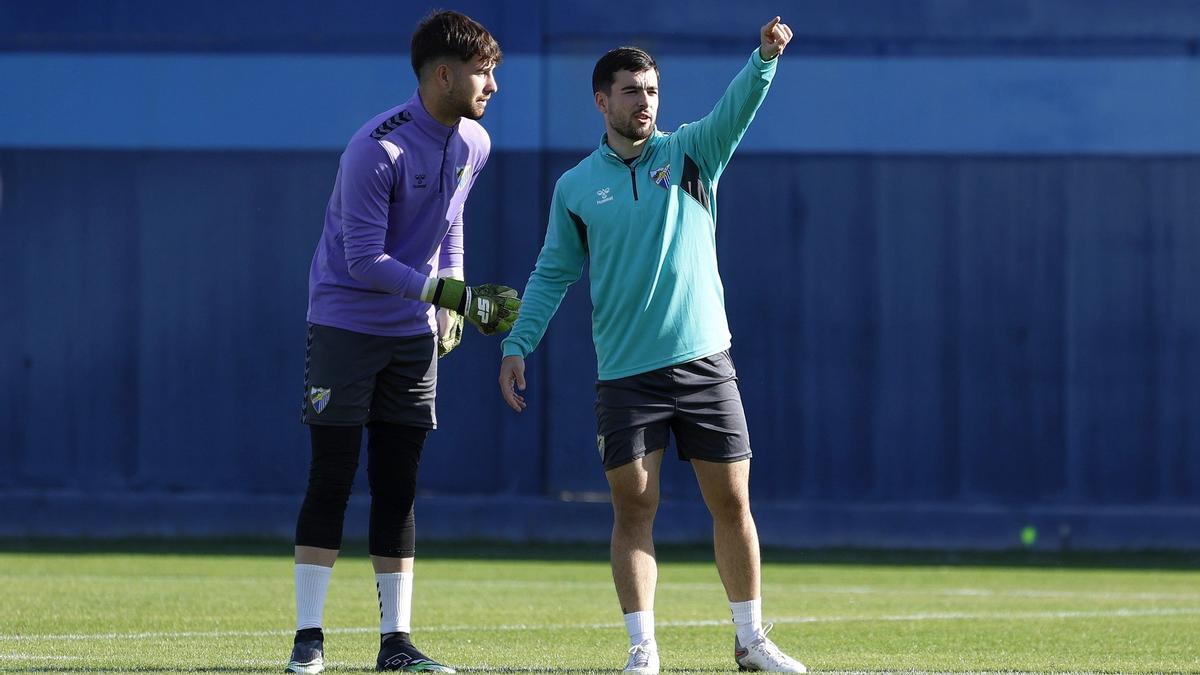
[
  {"x": 393, "y": 458},
  {"x": 730, "y": 507},
  {"x": 634, "y": 507},
  {"x": 334, "y": 463}
]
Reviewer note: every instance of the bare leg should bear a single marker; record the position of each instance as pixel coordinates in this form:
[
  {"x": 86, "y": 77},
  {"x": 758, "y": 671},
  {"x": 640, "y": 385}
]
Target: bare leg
[
  {"x": 726, "y": 490},
  {"x": 311, "y": 555},
  {"x": 634, "y": 488},
  {"x": 385, "y": 565}
]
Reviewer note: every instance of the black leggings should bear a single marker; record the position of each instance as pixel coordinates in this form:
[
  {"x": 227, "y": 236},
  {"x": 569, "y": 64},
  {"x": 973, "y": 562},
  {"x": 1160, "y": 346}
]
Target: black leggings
[{"x": 393, "y": 455}]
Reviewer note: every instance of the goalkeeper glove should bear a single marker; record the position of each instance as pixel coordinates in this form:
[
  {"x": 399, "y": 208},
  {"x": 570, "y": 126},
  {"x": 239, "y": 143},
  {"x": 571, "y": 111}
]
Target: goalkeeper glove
[
  {"x": 450, "y": 331},
  {"x": 490, "y": 308}
]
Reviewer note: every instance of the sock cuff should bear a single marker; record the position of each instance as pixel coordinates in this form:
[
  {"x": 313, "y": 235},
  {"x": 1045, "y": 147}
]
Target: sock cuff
[
  {"x": 746, "y": 611},
  {"x": 388, "y": 576},
  {"x": 319, "y": 570},
  {"x": 640, "y": 626},
  {"x": 746, "y": 605}
]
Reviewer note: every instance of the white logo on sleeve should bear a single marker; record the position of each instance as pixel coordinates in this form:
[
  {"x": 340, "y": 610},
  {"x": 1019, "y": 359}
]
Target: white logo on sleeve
[{"x": 604, "y": 196}]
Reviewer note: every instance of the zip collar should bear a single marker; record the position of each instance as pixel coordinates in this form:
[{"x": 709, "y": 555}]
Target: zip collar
[
  {"x": 654, "y": 139},
  {"x": 425, "y": 122}
]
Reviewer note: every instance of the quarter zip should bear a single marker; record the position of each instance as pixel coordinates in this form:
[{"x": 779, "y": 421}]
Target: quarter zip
[
  {"x": 632, "y": 171},
  {"x": 442, "y": 168}
]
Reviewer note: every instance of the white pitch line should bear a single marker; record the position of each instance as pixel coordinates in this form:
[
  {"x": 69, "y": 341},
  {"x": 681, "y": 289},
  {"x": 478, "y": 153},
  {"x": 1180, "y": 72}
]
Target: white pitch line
[
  {"x": 714, "y": 586},
  {"x": 839, "y": 590},
  {"x": 922, "y": 616}
]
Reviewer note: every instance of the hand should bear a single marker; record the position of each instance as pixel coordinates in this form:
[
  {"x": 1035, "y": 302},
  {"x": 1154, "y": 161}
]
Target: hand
[
  {"x": 512, "y": 378},
  {"x": 490, "y": 308},
  {"x": 450, "y": 331},
  {"x": 775, "y": 36}
]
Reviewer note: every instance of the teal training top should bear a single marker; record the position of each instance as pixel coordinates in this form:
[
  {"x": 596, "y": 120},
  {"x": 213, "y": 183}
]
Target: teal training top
[{"x": 649, "y": 229}]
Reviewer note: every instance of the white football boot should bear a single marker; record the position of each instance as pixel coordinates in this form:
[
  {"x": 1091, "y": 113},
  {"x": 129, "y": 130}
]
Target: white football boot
[
  {"x": 643, "y": 658},
  {"x": 762, "y": 655}
]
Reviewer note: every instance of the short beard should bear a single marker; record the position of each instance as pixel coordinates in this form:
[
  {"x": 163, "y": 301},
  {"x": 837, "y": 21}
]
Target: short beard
[
  {"x": 628, "y": 130},
  {"x": 470, "y": 110},
  {"x": 467, "y": 108}
]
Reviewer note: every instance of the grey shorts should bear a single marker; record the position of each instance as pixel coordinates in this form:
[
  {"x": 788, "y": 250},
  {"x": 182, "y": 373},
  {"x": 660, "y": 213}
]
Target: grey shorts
[
  {"x": 697, "y": 401},
  {"x": 353, "y": 378}
]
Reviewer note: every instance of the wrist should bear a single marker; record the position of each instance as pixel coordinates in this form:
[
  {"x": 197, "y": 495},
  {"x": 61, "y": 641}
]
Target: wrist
[
  {"x": 448, "y": 293},
  {"x": 428, "y": 289}
]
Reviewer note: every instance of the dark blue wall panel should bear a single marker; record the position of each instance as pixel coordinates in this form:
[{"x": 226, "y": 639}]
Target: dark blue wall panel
[{"x": 923, "y": 329}]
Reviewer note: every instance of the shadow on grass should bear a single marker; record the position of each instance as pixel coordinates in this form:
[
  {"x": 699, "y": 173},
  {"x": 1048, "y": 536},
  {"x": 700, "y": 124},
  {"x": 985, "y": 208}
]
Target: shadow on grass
[{"x": 594, "y": 552}]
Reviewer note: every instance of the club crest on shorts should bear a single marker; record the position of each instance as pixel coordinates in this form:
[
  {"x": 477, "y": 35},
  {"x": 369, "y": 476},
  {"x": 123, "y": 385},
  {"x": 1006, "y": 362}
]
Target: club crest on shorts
[
  {"x": 662, "y": 176},
  {"x": 319, "y": 398}
]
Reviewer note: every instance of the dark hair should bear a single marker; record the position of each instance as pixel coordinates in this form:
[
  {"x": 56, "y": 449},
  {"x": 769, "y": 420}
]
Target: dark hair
[
  {"x": 622, "y": 58},
  {"x": 444, "y": 33}
]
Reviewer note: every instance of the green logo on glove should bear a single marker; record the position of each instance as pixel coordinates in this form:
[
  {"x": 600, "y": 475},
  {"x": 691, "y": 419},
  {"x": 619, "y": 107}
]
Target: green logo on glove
[{"x": 491, "y": 308}]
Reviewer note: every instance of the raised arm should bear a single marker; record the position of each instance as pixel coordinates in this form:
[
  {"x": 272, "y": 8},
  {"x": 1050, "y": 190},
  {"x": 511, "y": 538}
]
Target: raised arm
[{"x": 714, "y": 137}]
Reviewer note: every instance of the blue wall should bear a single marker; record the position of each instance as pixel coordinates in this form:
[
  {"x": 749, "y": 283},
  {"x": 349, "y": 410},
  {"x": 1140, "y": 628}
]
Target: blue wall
[{"x": 978, "y": 230}]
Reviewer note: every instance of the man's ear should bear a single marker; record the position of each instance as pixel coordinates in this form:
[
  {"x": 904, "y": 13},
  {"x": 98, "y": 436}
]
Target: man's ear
[
  {"x": 443, "y": 75},
  {"x": 601, "y": 102}
]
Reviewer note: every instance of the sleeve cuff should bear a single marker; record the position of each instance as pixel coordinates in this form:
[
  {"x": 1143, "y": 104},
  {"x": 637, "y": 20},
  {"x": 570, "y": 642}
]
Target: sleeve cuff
[
  {"x": 757, "y": 59},
  {"x": 509, "y": 347}
]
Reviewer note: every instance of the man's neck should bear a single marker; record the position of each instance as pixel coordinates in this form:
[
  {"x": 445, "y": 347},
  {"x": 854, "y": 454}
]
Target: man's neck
[
  {"x": 624, "y": 147},
  {"x": 430, "y": 100}
]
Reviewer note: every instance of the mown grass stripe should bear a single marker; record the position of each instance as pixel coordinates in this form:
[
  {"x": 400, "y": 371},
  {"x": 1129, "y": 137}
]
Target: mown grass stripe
[{"x": 914, "y": 617}]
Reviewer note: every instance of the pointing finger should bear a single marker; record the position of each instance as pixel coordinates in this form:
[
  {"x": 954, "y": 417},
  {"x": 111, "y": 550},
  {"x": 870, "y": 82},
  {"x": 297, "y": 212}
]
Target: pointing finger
[{"x": 766, "y": 30}]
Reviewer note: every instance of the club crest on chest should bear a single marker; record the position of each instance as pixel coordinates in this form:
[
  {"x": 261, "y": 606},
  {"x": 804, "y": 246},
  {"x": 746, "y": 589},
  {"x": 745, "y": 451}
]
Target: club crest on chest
[{"x": 662, "y": 176}]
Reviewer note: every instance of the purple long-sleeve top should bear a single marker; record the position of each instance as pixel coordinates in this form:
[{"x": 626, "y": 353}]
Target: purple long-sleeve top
[{"x": 394, "y": 220}]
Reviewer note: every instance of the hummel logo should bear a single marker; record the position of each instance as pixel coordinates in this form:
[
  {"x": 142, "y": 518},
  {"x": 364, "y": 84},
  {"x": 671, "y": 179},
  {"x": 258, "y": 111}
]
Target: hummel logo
[
  {"x": 389, "y": 125},
  {"x": 604, "y": 196}
]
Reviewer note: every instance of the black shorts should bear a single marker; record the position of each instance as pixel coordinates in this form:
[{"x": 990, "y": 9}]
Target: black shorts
[
  {"x": 697, "y": 401},
  {"x": 353, "y": 378}
]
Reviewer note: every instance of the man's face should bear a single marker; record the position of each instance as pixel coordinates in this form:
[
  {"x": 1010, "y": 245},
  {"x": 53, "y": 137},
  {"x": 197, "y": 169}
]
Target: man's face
[
  {"x": 632, "y": 108},
  {"x": 471, "y": 86}
]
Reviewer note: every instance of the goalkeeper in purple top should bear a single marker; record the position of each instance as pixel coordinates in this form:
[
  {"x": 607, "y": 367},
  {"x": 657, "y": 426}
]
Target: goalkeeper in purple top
[{"x": 386, "y": 300}]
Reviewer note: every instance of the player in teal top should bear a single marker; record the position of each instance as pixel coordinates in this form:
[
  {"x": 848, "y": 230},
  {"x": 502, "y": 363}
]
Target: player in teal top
[
  {"x": 642, "y": 209},
  {"x": 648, "y": 223}
]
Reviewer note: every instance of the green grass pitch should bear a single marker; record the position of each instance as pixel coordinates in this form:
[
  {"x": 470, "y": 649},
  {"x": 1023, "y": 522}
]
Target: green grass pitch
[{"x": 228, "y": 607}]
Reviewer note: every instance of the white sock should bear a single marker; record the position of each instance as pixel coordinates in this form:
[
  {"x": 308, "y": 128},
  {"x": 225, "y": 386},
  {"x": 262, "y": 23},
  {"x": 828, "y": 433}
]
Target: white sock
[
  {"x": 640, "y": 626},
  {"x": 312, "y": 583},
  {"x": 395, "y": 601},
  {"x": 747, "y": 619}
]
